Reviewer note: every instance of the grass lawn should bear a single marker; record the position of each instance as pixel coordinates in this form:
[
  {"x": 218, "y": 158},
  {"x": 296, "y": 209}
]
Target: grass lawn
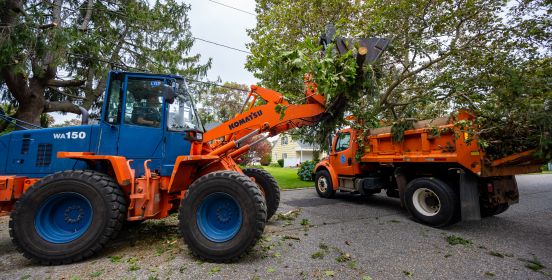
[{"x": 287, "y": 178}]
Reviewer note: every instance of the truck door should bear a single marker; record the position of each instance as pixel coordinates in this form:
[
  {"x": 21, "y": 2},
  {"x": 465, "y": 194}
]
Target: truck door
[
  {"x": 141, "y": 132},
  {"x": 342, "y": 155}
]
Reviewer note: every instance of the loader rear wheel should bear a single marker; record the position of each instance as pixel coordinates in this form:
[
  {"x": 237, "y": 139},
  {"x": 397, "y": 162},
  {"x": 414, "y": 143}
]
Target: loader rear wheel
[
  {"x": 222, "y": 216},
  {"x": 432, "y": 202},
  {"x": 323, "y": 184},
  {"x": 67, "y": 216},
  {"x": 269, "y": 188}
]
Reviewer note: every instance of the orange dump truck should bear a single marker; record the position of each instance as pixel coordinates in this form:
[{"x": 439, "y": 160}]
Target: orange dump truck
[{"x": 438, "y": 176}]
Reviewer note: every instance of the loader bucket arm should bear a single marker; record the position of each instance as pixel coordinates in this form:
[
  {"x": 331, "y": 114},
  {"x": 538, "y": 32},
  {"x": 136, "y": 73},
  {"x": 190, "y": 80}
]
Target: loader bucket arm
[{"x": 275, "y": 116}]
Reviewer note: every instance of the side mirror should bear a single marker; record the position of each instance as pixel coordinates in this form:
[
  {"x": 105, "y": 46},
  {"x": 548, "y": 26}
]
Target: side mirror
[
  {"x": 329, "y": 141},
  {"x": 169, "y": 94}
]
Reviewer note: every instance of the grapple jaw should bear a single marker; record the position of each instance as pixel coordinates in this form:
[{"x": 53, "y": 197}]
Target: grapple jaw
[{"x": 374, "y": 46}]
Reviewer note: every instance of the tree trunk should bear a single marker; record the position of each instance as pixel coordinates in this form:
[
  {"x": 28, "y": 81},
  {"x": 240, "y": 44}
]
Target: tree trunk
[{"x": 31, "y": 103}]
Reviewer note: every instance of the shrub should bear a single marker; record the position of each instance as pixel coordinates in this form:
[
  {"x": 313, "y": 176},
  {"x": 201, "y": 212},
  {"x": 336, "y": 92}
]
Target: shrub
[
  {"x": 266, "y": 159},
  {"x": 306, "y": 170},
  {"x": 281, "y": 162}
]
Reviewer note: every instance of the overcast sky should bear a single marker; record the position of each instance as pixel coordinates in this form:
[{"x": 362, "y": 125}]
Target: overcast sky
[{"x": 217, "y": 23}]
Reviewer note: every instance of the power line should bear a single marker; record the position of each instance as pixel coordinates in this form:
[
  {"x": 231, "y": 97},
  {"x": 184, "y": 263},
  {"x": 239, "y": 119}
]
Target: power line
[
  {"x": 221, "y": 45},
  {"x": 234, "y": 8},
  {"x": 216, "y": 84},
  {"x": 122, "y": 66}
]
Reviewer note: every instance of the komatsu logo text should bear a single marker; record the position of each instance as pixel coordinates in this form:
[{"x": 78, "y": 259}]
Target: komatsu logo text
[{"x": 251, "y": 116}]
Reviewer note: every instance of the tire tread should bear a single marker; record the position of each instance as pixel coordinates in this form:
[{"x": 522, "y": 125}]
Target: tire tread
[{"x": 109, "y": 189}]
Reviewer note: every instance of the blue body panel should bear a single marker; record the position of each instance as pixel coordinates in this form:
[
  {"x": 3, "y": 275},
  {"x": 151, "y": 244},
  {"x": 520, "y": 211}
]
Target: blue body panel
[
  {"x": 4, "y": 144},
  {"x": 33, "y": 153}
]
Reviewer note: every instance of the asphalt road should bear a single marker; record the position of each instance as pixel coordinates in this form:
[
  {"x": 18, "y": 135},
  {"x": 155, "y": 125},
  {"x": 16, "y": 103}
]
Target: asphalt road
[{"x": 342, "y": 238}]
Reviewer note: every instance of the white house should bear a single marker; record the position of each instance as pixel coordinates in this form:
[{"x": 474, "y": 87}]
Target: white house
[{"x": 293, "y": 152}]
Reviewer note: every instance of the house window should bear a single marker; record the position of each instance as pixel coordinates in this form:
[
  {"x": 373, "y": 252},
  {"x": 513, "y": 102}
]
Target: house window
[
  {"x": 284, "y": 155},
  {"x": 284, "y": 140}
]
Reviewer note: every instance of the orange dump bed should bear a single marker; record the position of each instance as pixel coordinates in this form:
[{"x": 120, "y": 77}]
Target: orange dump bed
[{"x": 439, "y": 140}]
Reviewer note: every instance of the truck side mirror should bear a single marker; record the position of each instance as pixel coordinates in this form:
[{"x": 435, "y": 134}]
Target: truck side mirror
[
  {"x": 329, "y": 141},
  {"x": 169, "y": 94}
]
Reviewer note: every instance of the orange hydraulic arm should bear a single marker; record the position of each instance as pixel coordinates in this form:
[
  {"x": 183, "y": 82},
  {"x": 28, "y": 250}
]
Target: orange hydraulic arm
[{"x": 266, "y": 117}]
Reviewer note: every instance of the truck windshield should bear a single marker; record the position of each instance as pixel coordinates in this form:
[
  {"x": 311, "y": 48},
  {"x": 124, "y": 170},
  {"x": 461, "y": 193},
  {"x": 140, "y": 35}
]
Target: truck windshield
[{"x": 182, "y": 114}]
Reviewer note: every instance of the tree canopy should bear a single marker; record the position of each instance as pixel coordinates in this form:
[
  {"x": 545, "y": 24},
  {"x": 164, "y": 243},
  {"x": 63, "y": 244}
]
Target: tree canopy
[
  {"x": 54, "y": 55},
  {"x": 221, "y": 103},
  {"x": 489, "y": 56}
]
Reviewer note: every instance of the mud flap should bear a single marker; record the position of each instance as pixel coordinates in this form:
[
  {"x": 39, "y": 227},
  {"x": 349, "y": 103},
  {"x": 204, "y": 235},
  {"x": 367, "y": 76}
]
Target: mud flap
[
  {"x": 469, "y": 197},
  {"x": 400, "y": 177}
]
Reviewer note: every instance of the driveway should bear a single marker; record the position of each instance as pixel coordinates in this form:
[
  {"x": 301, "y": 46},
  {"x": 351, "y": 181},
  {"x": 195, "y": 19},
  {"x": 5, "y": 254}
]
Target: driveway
[{"x": 342, "y": 238}]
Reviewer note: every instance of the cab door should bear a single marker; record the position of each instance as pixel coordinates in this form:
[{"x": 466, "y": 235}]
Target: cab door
[
  {"x": 342, "y": 155},
  {"x": 141, "y": 133}
]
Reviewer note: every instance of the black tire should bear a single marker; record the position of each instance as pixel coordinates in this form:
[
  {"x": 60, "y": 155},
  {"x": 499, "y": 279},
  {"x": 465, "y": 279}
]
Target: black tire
[
  {"x": 432, "y": 202},
  {"x": 323, "y": 184},
  {"x": 249, "y": 201},
  {"x": 105, "y": 199},
  {"x": 269, "y": 188},
  {"x": 133, "y": 224},
  {"x": 487, "y": 211}
]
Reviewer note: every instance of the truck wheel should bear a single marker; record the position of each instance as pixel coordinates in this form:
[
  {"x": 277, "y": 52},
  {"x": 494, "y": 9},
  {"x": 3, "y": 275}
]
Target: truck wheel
[
  {"x": 432, "y": 202},
  {"x": 67, "y": 216},
  {"x": 222, "y": 216},
  {"x": 487, "y": 211},
  {"x": 269, "y": 188},
  {"x": 323, "y": 184}
]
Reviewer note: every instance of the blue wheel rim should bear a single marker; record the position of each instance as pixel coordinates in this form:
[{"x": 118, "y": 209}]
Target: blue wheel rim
[
  {"x": 63, "y": 217},
  {"x": 219, "y": 217}
]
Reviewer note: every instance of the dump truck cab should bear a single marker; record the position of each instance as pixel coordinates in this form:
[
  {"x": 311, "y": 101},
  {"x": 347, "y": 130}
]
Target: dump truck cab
[{"x": 137, "y": 121}]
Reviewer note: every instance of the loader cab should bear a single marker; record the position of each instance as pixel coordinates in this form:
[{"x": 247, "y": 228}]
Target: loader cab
[{"x": 145, "y": 117}]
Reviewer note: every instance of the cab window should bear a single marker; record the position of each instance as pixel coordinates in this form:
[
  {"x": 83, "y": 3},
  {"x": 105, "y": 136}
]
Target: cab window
[
  {"x": 342, "y": 143},
  {"x": 144, "y": 102},
  {"x": 113, "y": 109},
  {"x": 182, "y": 114}
]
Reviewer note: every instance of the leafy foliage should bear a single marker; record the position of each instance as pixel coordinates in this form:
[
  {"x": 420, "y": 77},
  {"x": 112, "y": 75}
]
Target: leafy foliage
[
  {"x": 338, "y": 77},
  {"x": 492, "y": 57},
  {"x": 306, "y": 170},
  {"x": 266, "y": 159},
  {"x": 281, "y": 162},
  {"x": 257, "y": 152},
  {"x": 219, "y": 104}
]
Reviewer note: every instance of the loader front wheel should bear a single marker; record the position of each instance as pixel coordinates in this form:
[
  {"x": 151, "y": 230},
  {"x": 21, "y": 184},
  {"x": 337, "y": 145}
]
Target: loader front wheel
[
  {"x": 67, "y": 216},
  {"x": 269, "y": 188},
  {"x": 222, "y": 216}
]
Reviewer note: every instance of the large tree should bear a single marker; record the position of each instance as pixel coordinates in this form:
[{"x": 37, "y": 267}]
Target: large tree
[
  {"x": 444, "y": 54},
  {"x": 54, "y": 55}
]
